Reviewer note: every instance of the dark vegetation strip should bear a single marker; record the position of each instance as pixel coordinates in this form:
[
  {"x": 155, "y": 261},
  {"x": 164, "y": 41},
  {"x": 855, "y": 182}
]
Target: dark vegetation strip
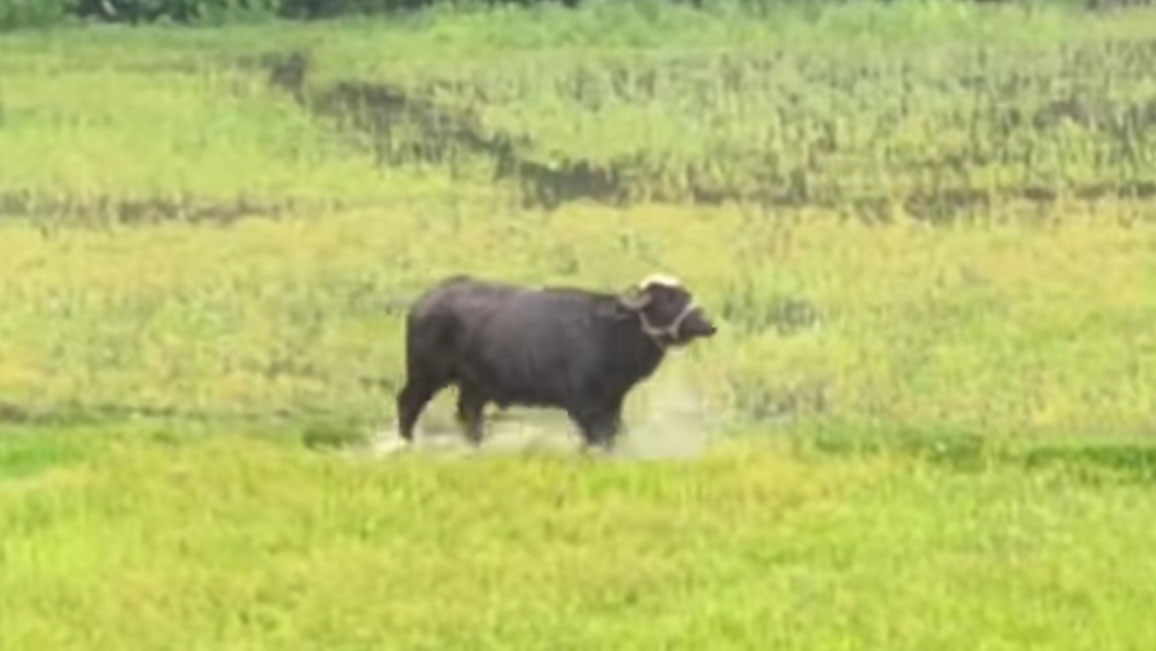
[
  {"x": 57, "y": 437},
  {"x": 313, "y": 428},
  {"x": 1094, "y": 459},
  {"x": 16, "y": 14},
  {"x": 144, "y": 210}
]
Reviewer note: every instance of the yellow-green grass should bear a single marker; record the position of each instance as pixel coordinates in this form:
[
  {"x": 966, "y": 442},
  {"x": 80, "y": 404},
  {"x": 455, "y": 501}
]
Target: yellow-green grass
[
  {"x": 144, "y": 540},
  {"x": 88, "y": 143},
  {"x": 997, "y": 329}
]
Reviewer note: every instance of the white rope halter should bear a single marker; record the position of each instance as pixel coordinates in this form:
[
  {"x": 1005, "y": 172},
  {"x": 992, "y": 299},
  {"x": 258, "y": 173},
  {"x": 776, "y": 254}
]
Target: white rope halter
[{"x": 670, "y": 329}]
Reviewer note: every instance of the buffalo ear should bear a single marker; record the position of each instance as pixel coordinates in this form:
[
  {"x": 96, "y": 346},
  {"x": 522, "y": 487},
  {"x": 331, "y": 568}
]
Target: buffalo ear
[{"x": 634, "y": 299}]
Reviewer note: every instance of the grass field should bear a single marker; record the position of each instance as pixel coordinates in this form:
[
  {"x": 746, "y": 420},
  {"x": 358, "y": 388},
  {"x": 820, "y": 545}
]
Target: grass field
[
  {"x": 923, "y": 228},
  {"x": 239, "y": 542}
]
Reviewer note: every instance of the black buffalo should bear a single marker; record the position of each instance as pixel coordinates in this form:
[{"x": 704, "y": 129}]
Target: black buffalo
[{"x": 577, "y": 350}]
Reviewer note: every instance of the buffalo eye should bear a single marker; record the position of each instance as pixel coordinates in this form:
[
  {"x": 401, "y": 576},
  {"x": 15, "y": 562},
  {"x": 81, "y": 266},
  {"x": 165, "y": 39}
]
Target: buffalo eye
[{"x": 666, "y": 302}]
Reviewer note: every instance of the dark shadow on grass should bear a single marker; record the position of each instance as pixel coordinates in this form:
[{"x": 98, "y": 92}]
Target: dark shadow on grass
[
  {"x": 1091, "y": 458},
  {"x": 954, "y": 448},
  {"x": 1133, "y": 462},
  {"x": 26, "y": 455}
]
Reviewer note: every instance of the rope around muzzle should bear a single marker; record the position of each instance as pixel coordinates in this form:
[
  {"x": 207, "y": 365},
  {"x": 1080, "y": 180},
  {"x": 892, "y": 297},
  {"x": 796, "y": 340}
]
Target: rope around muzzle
[{"x": 670, "y": 330}]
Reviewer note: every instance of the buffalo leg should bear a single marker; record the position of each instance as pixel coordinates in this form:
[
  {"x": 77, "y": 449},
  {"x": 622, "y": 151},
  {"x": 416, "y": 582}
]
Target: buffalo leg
[
  {"x": 599, "y": 425},
  {"x": 471, "y": 405},
  {"x": 410, "y": 401}
]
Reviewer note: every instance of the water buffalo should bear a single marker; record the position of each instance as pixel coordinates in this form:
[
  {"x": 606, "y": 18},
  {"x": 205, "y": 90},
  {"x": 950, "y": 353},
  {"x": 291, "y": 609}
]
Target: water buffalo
[{"x": 573, "y": 349}]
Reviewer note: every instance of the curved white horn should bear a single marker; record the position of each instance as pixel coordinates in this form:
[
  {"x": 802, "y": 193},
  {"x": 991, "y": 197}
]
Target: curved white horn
[
  {"x": 635, "y": 299},
  {"x": 665, "y": 280}
]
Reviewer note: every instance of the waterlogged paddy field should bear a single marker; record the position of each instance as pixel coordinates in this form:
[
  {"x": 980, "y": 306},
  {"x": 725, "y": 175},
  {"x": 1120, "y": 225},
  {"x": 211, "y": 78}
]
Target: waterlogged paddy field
[{"x": 925, "y": 422}]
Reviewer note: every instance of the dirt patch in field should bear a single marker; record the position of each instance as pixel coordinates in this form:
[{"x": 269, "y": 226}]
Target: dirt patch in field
[{"x": 666, "y": 422}]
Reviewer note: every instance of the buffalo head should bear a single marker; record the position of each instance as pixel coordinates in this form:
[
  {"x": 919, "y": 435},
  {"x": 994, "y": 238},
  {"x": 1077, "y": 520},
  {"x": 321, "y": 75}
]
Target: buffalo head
[{"x": 667, "y": 311}]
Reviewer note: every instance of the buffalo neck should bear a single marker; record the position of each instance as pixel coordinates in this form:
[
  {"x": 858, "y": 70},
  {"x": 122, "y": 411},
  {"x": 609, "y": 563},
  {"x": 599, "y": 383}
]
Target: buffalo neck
[{"x": 634, "y": 352}]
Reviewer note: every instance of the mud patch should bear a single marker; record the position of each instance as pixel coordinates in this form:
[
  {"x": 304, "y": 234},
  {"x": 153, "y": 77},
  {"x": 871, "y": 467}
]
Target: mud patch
[
  {"x": 666, "y": 421},
  {"x": 519, "y": 434}
]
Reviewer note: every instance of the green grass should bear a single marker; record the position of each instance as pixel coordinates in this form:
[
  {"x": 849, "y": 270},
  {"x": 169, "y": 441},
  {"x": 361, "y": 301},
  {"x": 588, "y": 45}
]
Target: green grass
[
  {"x": 150, "y": 144},
  {"x": 939, "y": 428},
  {"x": 232, "y": 542}
]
